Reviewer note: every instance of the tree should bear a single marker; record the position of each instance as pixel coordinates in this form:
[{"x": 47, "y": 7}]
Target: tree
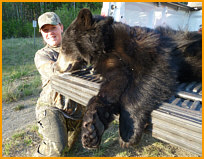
[{"x": 17, "y": 17}]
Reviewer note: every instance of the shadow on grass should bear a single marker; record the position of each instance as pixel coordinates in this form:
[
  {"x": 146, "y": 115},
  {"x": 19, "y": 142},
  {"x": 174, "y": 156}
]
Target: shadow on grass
[{"x": 110, "y": 147}]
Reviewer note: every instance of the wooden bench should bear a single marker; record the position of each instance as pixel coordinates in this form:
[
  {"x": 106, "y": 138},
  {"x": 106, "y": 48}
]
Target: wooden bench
[{"x": 178, "y": 121}]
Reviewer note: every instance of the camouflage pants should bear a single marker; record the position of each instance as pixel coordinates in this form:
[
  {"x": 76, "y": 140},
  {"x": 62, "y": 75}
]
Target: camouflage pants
[{"x": 59, "y": 133}]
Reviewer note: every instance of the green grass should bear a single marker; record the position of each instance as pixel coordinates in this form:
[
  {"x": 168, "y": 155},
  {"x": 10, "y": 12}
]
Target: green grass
[
  {"x": 19, "y": 107},
  {"x": 26, "y": 139},
  {"x": 18, "y": 136},
  {"x": 7, "y": 148},
  {"x": 25, "y": 142},
  {"x": 148, "y": 147},
  {"x": 20, "y": 77}
]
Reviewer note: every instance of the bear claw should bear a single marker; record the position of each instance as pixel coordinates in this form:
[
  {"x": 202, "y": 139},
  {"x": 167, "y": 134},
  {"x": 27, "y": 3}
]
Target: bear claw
[
  {"x": 92, "y": 132},
  {"x": 124, "y": 144}
]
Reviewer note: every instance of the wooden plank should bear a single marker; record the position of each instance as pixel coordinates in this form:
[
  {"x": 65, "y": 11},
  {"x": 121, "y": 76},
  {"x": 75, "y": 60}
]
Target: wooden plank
[
  {"x": 190, "y": 96},
  {"x": 176, "y": 140},
  {"x": 86, "y": 92},
  {"x": 188, "y": 134},
  {"x": 177, "y": 120},
  {"x": 75, "y": 97},
  {"x": 197, "y": 115},
  {"x": 195, "y": 105},
  {"x": 178, "y": 131},
  {"x": 78, "y": 80},
  {"x": 197, "y": 88},
  {"x": 78, "y": 88},
  {"x": 186, "y": 104},
  {"x": 176, "y": 101}
]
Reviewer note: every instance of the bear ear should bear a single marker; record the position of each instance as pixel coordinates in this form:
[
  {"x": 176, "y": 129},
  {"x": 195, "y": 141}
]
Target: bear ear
[{"x": 84, "y": 18}]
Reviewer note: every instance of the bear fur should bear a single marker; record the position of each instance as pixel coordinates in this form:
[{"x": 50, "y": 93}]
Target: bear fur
[{"x": 141, "y": 68}]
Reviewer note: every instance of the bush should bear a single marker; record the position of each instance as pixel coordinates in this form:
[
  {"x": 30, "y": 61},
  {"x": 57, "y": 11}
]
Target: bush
[
  {"x": 16, "y": 28},
  {"x": 67, "y": 14}
]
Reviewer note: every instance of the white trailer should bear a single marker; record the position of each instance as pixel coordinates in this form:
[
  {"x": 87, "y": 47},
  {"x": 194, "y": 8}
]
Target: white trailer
[{"x": 153, "y": 14}]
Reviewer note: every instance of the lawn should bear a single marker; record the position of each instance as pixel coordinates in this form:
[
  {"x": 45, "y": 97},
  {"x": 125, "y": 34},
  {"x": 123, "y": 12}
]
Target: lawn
[{"x": 20, "y": 77}]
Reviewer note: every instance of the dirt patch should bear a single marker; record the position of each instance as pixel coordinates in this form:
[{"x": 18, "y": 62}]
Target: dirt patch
[
  {"x": 14, "y": 119},
  {"x": 19, "y": 139},
  {"x": 22, "y": 144}
]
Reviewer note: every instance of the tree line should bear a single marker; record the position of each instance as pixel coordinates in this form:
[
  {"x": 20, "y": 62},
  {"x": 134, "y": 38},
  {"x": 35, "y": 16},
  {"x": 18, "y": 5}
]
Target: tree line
[{"x": 17, "y": 17}]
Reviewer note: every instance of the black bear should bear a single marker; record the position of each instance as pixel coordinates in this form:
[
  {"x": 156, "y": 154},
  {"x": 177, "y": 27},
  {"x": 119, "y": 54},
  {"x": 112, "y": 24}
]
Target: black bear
[{"x": 140, "y": 68}]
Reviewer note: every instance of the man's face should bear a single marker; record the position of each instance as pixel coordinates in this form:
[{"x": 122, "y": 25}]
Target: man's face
[{"x": 52, "y": 34}]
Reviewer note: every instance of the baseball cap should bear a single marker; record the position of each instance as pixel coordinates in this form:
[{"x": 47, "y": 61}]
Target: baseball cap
[{"x": 48, "y": 18}]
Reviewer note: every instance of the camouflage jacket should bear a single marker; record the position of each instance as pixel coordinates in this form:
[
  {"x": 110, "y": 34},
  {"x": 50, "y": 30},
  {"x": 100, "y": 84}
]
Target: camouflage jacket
[{"x": 44, "y": 61}]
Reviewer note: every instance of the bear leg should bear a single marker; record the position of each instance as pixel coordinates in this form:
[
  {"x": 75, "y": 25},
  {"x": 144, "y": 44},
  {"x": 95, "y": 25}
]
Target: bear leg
[
  {"x": 95, "y": 121},
  {"x": 131, "y": 127}
]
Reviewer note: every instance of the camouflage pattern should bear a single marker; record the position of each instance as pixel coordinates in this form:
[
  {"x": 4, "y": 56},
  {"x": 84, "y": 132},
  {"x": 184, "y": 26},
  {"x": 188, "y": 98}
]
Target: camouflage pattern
[
  {"x": 48, "y": 18},
  {"x": 59, "y": 118}
]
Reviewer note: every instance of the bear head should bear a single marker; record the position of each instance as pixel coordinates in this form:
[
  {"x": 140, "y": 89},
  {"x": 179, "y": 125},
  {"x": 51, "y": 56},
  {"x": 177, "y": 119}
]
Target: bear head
[{"x": 84, "y": 41}]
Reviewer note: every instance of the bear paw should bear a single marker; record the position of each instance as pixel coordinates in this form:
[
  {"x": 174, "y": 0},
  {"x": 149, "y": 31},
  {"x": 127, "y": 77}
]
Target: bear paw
[
  {"x": 130, "y": 141},
  {"x": 123, "y": 144},
  {"x": 92, "y": 130}
]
